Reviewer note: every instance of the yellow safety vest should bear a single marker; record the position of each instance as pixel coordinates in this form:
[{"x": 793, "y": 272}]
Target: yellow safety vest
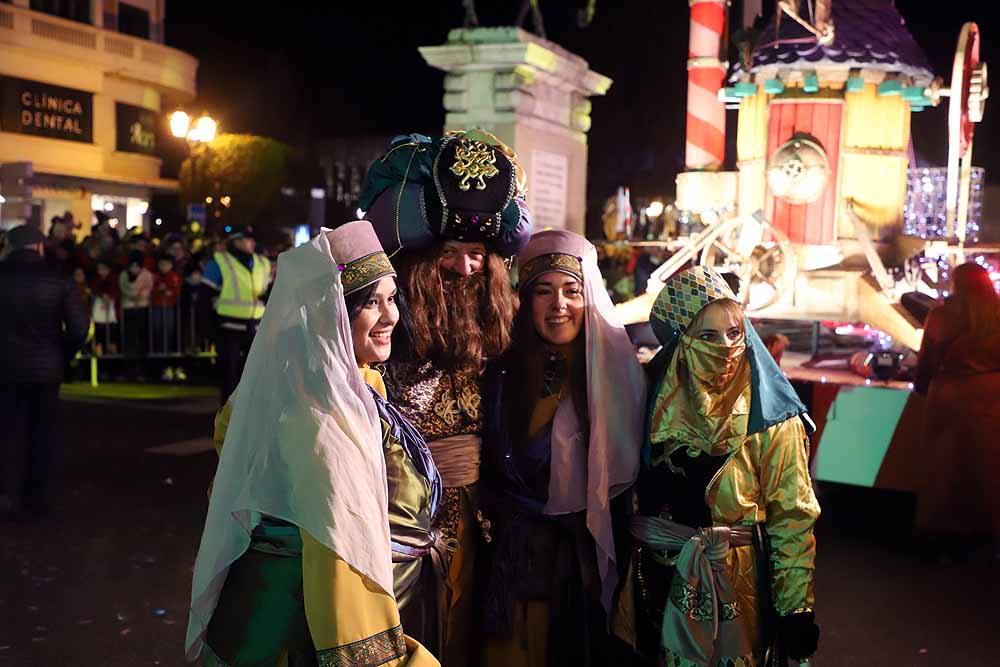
[{"x": 242, "y": 289}]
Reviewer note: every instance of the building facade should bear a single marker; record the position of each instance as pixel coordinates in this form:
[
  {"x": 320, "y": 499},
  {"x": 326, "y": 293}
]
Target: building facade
[{"x": 85, "y": 86}]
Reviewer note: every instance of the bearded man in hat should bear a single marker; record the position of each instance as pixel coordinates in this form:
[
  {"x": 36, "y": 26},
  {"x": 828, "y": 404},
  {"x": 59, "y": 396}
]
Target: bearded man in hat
[
  {"x": 241, "y": 278},
  {"x": 452, "y": 212}
]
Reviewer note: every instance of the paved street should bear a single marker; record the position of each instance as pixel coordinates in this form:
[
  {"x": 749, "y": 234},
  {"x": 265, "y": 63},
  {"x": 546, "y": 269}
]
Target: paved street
[{"x": 106, "y": 580}]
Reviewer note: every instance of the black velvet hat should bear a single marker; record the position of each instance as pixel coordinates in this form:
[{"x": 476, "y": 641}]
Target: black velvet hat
[
  {"x": 474, "y": 182},
  {"x": 466, "y": 186}
]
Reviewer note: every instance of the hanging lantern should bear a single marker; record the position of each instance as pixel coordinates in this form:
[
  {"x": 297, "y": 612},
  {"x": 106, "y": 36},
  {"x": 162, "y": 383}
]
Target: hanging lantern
[{"x": 798, "y": 171}]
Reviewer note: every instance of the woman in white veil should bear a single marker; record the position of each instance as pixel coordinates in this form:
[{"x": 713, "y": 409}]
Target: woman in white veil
[
  {"x": 563, "y": 429},
  {"x": 318, "y": 528}
]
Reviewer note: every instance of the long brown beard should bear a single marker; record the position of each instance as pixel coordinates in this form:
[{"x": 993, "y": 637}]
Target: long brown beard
[
  {"x": 462, "y": 328},
  {"x": 458, "y": 321}
]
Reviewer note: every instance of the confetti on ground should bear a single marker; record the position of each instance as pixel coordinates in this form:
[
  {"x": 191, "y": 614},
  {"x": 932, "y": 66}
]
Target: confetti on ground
[
  {"x": 85, "y": 621},
  {"x": 169, "y": 481},
  {"x": 125, "y": 631},
  {"x": 159, "y": 612},
  {"x": 923, "y": 651},
  {"x": 120, "y": 616}
]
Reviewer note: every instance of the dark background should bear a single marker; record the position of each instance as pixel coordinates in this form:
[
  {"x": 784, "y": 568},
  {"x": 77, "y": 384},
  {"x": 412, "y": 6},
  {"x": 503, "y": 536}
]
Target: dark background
[{"x": 306, "y": 72}]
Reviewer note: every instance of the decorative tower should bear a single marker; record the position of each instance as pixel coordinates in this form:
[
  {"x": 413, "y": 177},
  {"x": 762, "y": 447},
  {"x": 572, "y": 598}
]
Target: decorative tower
[{"x": 533, "y": 95}]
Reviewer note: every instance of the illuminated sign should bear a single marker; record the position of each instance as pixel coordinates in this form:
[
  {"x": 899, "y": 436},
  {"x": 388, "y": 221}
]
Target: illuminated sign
[
  {"x": 31, "y": 107},
  {"x": 135, "y": 129}
]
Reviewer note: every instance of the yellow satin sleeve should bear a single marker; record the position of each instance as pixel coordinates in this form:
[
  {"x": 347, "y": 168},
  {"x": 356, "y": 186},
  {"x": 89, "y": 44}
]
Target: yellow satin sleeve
[
  {"x": 351, "y": 620},
  {"x": 373, "y": 379},
  {"x": 222, "y": 418},
  {"x": 792, "y": 511}
]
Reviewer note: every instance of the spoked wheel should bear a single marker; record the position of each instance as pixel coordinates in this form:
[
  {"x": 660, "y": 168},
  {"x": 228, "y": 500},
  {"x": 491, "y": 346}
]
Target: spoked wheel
[{"x": 759, "y": 254}]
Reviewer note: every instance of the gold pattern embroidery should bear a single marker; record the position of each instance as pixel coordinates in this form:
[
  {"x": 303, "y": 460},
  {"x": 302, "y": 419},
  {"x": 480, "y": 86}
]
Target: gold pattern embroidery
[
  {"x": 698, "y": 606},
  {"x": 449, "y": 513},
  {"x": 671, "y": 659},
  {"x": 553, "y": 262},
  {"x": 475, "y": 161},
  {"x": 364, "y": 271},
  {"x": 426, "y": 396},
  {"x": 368, "y": 652}
]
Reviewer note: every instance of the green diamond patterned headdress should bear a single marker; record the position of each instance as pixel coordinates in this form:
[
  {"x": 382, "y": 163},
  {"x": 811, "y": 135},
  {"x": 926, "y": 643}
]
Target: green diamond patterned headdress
[{"x": 683, "y": 296}]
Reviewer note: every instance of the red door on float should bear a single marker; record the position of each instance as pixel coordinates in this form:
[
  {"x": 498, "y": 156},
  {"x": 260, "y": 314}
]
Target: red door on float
[{"x": 813, "y": 223}]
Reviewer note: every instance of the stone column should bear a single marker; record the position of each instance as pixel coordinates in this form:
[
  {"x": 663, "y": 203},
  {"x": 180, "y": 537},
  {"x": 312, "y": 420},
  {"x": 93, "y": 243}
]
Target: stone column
[{"x": 533, "y": 95}]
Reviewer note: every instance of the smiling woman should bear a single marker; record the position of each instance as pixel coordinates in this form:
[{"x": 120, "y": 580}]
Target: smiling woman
[
  {"x": 557, "y": 307},
  {"x": 560, "y": 450},
  {"x": 374, "y": 312},
  {"x": 323, "y": 554}
]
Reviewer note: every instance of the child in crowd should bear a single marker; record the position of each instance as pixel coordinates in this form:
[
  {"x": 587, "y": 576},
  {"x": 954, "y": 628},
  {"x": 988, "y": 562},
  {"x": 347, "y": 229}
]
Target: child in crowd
[
  {"x": 166, "y": 296},
  {"x": 104, "y": 309}
]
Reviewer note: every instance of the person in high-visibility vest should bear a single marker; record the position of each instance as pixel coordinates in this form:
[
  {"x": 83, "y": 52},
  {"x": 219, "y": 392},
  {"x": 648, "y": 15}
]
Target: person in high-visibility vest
[{"x": 241, "y": 278}]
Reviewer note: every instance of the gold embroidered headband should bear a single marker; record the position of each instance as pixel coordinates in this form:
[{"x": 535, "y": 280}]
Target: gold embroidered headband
[{"x": 550, "y": 262}]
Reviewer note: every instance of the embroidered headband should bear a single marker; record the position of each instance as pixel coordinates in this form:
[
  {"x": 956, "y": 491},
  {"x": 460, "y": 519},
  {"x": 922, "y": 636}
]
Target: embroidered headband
[
  {"x": 360, "y": 258},
  {"x": 550, "y": 262}
]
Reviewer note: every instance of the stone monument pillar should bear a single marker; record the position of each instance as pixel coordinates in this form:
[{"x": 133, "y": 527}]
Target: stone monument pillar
[{"x": 533, "y": 95}]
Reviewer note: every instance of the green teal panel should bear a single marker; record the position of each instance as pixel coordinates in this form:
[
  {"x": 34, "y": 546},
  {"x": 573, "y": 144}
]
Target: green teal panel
[
  {"x": 810, "y": 83},
  {"x": 858, "y": 431},
  {"x": 914, "y": 93},
  {"x": 745, "y": 89},
  {"x": 890, "y": 87},
  {"x": 855, "y": 84},
  {"x": 774, "y": 86}
]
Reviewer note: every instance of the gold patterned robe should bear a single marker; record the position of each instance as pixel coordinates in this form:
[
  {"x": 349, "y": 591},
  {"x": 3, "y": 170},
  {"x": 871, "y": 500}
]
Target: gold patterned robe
[
  {"x": 443, "y": 404},
  {"x": 766, "y": 480}
]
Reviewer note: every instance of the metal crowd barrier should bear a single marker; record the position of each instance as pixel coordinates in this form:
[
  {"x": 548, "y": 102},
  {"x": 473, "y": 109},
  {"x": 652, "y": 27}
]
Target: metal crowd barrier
[{"x": 156, "y": 333}]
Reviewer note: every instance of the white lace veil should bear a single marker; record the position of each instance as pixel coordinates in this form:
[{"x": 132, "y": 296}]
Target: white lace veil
[
  {"x": 586, "y": 476},
  {"x": 304, "y": 441}
]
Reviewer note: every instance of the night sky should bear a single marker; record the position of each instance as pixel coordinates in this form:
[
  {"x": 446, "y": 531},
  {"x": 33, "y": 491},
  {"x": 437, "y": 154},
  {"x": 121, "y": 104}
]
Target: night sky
[{"x": 304, "y": 72}]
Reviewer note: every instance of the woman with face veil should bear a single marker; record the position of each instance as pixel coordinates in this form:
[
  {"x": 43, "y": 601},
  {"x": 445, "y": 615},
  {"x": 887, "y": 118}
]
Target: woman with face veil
[
  {"x": 723, "y": 570},
  {"x": 318, "y": 548}
]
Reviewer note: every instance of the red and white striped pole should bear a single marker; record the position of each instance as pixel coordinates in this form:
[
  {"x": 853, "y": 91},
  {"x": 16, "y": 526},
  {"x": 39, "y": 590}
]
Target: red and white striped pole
[{"x": 706, "y": 113}]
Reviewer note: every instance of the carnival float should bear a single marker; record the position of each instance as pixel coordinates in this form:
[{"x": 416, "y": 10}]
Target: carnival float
[{"x": 827, "y": 216}]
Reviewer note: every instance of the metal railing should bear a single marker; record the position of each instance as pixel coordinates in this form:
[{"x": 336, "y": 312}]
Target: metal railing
[{"x": 149, "y": 333}]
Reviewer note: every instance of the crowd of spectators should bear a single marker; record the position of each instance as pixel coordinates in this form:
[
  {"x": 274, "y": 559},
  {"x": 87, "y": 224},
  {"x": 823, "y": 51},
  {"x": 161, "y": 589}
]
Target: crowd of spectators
[{"x": 144, "y": 295}]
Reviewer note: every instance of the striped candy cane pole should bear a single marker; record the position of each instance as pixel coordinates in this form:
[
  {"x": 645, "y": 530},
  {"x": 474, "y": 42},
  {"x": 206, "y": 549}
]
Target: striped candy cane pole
[{"x": 706, "y": 113}]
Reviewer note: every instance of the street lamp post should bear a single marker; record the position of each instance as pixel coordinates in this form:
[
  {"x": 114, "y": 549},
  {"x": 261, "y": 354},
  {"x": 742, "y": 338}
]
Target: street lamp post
[{"x": 197, "y": 133}]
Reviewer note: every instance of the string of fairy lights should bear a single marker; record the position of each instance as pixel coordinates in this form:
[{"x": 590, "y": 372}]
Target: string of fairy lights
[{"x": 925, "y": 213}]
